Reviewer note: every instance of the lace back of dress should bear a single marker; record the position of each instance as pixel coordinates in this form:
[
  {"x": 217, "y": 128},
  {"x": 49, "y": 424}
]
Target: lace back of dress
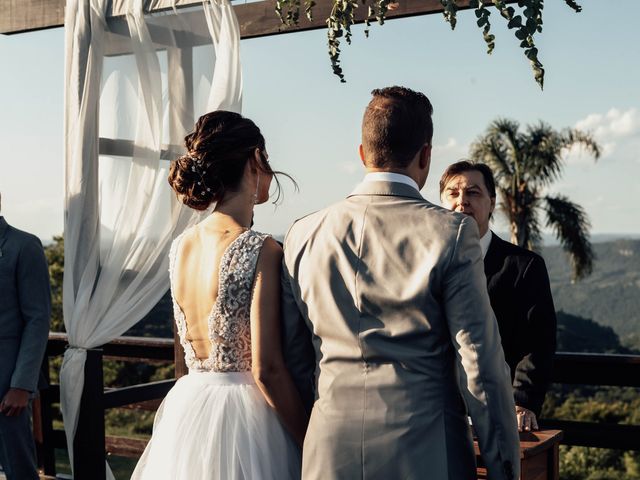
[{"x": 229, "y": 321}]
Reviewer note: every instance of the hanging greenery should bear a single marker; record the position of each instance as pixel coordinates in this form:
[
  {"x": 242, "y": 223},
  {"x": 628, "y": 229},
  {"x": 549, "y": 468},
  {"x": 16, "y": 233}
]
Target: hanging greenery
[{"x": 525, "y": 24}]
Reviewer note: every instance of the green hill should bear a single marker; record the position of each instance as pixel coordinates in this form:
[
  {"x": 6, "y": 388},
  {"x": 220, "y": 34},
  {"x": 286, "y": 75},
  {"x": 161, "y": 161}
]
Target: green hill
[
  {"x": 610, "y": 296},
  {"x": 577, "y": 334}
]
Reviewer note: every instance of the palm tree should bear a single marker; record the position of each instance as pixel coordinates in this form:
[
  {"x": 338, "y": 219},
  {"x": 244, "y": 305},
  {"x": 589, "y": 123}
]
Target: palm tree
[{"x": 524, "y": 164}]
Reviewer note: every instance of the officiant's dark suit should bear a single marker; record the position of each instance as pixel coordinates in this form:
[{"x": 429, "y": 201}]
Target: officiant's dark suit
[
  {"x": 25, "y": 306},
  {"x": 520, "y": 296}
]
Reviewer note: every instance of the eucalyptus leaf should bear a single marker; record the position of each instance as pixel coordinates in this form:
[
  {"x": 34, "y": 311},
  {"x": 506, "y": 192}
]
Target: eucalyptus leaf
[
  {"x": 515, "y": 22},
  {"x": 574, "y": 5}
]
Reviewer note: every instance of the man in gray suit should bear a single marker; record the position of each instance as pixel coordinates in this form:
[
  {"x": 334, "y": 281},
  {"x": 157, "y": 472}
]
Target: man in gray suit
[
  {"x": 25, "y": 311},
  {"x": 403, "y": 337}
]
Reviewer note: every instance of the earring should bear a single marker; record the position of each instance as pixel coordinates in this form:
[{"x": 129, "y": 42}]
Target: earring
[{"x": 255, "y": 195}]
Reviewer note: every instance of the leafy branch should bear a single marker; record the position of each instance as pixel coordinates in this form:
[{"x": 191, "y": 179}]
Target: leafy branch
[{"x": 524, "y": 24}]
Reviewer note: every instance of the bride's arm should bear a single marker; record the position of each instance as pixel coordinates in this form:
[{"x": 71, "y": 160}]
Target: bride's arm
[{"x": 268, "y": 367}]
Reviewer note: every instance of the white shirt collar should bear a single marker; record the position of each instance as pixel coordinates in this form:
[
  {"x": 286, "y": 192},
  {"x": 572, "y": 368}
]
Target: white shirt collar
[
  {"x": 390, "y": 177},
  {"x": 485, "y": 241}
]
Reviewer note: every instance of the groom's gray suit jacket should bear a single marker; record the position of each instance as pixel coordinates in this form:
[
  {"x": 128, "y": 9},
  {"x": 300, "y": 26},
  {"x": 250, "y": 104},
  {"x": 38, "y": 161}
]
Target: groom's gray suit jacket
[
  {"x": 394, "y": 293},
  {"x": 25, "y": 308}
]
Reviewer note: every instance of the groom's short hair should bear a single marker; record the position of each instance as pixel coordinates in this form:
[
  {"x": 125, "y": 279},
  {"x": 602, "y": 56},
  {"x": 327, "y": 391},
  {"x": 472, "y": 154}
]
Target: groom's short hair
[{"x": 396, "y": 124}]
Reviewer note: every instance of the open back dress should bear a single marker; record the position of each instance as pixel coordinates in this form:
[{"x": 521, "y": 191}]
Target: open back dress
[{"x": 215, "y": 423}]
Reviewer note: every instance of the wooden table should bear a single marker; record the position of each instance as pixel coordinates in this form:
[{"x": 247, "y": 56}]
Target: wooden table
[{"x": 538, "y": 455}]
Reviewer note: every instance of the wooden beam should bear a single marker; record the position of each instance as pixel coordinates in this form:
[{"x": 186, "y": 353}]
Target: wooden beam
[
  {"x": 17, "y": 16},
  {"x": 125, "y": 447},
  {"x": 127, "y": 148},
  {"x": 596, "y": 369},
  {"x": 596, "y": 434},
  {"x": 119, "y": 397},
  {"x": 256, "y": 19}
]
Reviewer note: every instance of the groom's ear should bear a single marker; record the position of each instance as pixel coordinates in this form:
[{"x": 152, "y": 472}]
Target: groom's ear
[
  {"x": 425, "y": 157},
  {"x": 361, "y": 152}
]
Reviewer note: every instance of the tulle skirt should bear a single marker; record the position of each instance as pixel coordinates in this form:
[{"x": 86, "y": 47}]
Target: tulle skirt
[{"x": 218, "y": 426}]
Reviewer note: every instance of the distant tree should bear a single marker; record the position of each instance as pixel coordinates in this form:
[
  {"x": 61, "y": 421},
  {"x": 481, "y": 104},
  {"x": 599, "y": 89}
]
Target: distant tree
[
  {"x": 158, "y": 322},
  {"x": 632, "y": 341},
  {"x": 55, "y": 258},
  {"x": 615, "y": 405},
  {"x": 585, "y": 463},
  {"x": 524, "y": 164}
]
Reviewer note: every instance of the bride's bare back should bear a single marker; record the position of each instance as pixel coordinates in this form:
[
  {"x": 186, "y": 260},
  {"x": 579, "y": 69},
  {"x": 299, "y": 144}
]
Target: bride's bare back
[{"x": 196, "y": 280}]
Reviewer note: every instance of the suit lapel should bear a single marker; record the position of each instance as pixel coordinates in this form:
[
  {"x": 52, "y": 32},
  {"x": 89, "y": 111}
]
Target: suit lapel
[
  {"x": 492, "y": 258},
  {"x": 4, "y": 228},
  {"x": 394, "y": 189}
]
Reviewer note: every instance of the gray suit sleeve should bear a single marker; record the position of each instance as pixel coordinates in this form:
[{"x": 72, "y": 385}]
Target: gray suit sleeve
[
  {"x": 34, "y": 296},
  {"x": 485, "y": 381},
  {"x": 298, "y": 350}
]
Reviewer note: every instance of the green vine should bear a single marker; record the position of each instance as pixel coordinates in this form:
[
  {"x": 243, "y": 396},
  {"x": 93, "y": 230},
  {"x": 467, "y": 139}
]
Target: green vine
[
  {"x": 524, "y": 24},
  {"x": 482, "y": 14},
  {"x": 450, "y": 11}
]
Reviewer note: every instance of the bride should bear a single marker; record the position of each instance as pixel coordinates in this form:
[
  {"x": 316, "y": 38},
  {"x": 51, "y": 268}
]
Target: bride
[{"x": 237, "y": 414}]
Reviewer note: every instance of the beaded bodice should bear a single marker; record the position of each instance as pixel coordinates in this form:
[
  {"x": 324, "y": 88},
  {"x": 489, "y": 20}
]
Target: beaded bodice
[{"x": 228, "y": 323}]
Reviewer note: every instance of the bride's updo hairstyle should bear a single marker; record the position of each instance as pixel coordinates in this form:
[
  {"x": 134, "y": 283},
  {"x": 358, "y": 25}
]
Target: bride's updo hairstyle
[{"x": 217, "y": 152}]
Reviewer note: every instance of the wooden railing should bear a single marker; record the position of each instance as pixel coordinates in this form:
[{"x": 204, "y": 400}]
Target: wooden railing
[
  {"x": 596, "y": 370},
  {"x": 91, "y": 444}
]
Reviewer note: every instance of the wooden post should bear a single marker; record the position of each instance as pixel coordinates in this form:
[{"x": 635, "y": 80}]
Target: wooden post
[
  {"x": 88, "y": 444},
  {"x": 43, "y": 426}
]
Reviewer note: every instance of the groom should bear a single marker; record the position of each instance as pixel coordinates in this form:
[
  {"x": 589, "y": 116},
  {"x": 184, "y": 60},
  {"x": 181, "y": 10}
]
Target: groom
[{"x": 393, "y": 291}]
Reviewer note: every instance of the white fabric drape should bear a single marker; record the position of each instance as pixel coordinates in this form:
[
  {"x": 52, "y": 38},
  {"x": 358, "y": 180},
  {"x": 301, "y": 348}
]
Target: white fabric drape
[{"x": 120, "y": 214}]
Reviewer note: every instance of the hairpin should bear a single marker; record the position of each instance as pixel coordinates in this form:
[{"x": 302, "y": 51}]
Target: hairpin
[{"x": 198, "y": 167}]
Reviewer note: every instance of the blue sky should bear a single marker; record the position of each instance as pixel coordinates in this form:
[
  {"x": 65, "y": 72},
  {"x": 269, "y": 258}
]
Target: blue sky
[{"x": 312, "y": 122}]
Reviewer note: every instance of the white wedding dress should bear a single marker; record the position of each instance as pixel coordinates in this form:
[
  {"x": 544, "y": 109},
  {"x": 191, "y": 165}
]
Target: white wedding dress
[{"x": 214, "y": 423}]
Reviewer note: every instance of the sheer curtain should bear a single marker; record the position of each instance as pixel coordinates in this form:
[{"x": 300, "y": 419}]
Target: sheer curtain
[{"x": 134, "y": 87}]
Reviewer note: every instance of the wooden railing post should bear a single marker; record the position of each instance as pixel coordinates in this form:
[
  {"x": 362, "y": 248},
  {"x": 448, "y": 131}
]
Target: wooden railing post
[
  {"x": 89, "y": 444},
  {"x": 43, "y": 426}
]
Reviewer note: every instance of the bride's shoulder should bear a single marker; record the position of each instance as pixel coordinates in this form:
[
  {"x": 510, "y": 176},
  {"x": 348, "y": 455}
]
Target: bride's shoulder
[
  {"x": 271, "y": 248},
  {"x": 183, "y": 242}
]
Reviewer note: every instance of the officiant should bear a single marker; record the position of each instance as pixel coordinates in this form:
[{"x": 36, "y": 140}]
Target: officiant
[{"x": 519, "y": 290}]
